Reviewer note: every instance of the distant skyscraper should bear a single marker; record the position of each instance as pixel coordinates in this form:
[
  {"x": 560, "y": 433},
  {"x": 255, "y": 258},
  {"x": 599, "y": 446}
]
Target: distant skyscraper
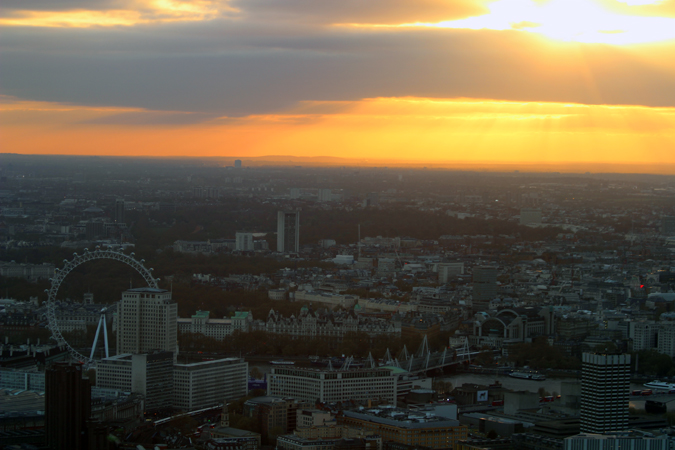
[
  {"x": 237, "y": 163},
  {"x": 605, "y": 386},
  {"x": 244, "y": 241},
  {"x": 119, "y": 211},
  {"x": 67, "y": 406},
  {"x": 288, "y": 231},
  {"x": 147, "y": 321},
  {"x": 484, "y": 287},
  {"x": 294, "y": 193}
]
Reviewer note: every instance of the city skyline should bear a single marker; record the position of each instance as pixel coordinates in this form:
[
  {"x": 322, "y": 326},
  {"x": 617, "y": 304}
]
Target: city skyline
[{"x": 573, "y": 84}]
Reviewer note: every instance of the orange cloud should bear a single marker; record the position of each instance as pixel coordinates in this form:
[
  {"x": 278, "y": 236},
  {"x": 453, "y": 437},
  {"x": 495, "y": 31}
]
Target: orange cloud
[
  {"x": 120, "y": 13},
  {"x": 434, "y": 130}
]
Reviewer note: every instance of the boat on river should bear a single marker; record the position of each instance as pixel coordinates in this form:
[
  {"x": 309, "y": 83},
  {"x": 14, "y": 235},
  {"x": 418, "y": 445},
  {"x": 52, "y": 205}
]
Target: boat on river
[
  {"x": 528, "y": 375},
  {"x": 660, "y": 385},
  {"x": 282, "y": 362}
]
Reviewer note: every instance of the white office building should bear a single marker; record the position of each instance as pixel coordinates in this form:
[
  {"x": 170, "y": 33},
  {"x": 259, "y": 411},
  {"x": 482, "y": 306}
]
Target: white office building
[
  {"x": 327, "y": 386},
  {"x": 147, "y": 320},
  {"x": 616, "y": 442},
  {"x": 202, "y": 323},
  {"x": 149, "y": 374},
  {"x": 446, "y": 271},
  {"x": 325, "y": 195},
  {"x": 666, "y": 341},
  {"x": 643, "y": 334},
  {"x": 244, "y": 241},
  {"x": 208, "y": 383}
]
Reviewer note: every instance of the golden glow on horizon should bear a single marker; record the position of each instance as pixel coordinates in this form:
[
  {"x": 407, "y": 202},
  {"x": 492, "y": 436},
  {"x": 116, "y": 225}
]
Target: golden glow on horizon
[
  {"x": 155, "y": 11},
  {"x": 585, "y": 21},
  {"x": 440, "y": 130},
  {"x": 641, "y": 2}
]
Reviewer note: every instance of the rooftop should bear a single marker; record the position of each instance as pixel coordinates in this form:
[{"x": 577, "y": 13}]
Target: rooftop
[{"x": 404, "y": 418}]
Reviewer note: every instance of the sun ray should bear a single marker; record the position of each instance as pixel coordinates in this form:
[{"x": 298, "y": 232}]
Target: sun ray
[{"x": 586, "y": 21}]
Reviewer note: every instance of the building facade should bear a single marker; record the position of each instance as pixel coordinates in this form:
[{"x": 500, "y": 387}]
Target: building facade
[
  {"x": 288, "y": 231},
  {"x": 147, "y": 321},
  {"x": 616, "y": 442},
  {"x": 67, "y": 406},
  {"x": 148, "y": 374},
  {"x": 605, "y": 387},
  {"x": 274, "y": 413},
  {"x": 208, "y": 383},
  {"x": 244, "y": 241},
  {"x": 484, "y": 287},
  {"x": 447, "y": 271},
  {"x": 201, "y": 323},
  {"x": 359, "y": 385}
]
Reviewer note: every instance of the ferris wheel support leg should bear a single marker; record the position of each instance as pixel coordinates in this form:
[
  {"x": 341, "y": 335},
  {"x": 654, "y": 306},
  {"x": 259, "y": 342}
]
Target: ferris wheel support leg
[
  {"x": 105, "y": 336},
  {"x": 93, "y": 347}
]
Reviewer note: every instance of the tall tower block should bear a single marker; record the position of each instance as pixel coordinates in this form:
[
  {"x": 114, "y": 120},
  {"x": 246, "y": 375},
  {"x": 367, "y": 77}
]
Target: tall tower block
[
  {"x": 605, "y": 387},
  {"x": 147, "y": 321},
  {"x": 288, "y": 231}
]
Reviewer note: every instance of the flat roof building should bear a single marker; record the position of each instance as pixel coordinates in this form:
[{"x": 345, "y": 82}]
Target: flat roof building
[
  {"x": 148, "y": 374},
  {"x": 208, "y": 383},
  {"x": 329, "y": 386},
  {"x": 147, "y": 321},
  {"x": 406, "y": 427}
]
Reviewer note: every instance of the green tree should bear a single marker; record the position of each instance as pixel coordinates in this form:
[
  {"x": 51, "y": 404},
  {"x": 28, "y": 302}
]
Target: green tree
[
  {"x": 273, "y": 434},
  {"x": 651, "y": 362},
  {"x": 255, "y": 373},
  {"x": 441, "y": 386}
]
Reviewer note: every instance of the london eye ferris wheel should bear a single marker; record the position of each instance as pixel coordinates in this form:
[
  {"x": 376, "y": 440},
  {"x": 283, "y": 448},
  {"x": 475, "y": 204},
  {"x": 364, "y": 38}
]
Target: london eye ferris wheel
[{"x": 61, "y": 274}]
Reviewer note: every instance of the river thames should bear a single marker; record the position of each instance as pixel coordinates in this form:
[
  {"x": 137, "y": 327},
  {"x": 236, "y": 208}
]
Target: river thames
[{"x": 551, "y": 384}]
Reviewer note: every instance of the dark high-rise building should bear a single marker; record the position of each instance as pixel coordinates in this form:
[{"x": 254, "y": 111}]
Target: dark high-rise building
[
  {"x": 605, "y": 387},
  {"x": 288, "y": 231},
  {"x": 67, "y": 406},
  {"x": 668, "y": 225},
  {"x": 237, "y": 163},
  {"x": 484, "y": 287},
  {"x": 95, "y": 229},
  {"x": 119, "y": 211}
]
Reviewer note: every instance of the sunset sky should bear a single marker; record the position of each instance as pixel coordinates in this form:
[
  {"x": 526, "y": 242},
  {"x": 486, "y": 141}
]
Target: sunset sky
[{"x": 556, "y": 82}]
